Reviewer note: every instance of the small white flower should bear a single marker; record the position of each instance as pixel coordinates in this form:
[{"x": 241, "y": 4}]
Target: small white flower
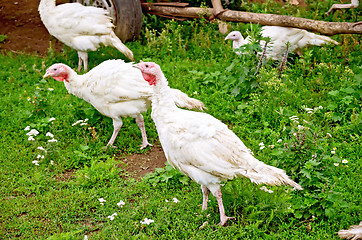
[
  {"x": 33, "y": 132},
  {"x": 40, "y": 148},
  {"x": 166, "y": 200},
  {"x": 112, "y": 216},
  {"x": 271, "y": 146},
  {"x": 333, "y": 152},
  {"x": 120, "y": 203},
  {"x": 175, "y": 200},
  {"x": 49, "y": 135},
  {"x": 40, "y": 156},
  {"x": 52, "y": 140},
  {"x": 195, "y": 93},
  {"x": 336, "y": 164},
  {"x": 36, "y": 162},
  {"x": 147, "y": 221},
  {"x": 262, "y": 146},
  {"x": 294, "y": 119},
  {"x": 27, "y": 128},
  {"x": 28, "y": 98},
  {"x": 31, "y": 138},
  {"x": 266, "y": 190},
  {"x": 79, "y": 121},
  {"x": 279, "y": 140},
  {"x": 300, "y": 127},
  {"x": 344, "y": 161},
  {"x": 51, "y": 162},
  {"x": 320, "y": 107},
  {"x": 51, "y": 89},
  {"x": 85, "y": 237},
  {"x": 102, "y": 201},
  {"x": 51, "y": 119}
]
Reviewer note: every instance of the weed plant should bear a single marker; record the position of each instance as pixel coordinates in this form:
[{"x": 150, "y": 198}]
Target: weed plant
[{"x": 57, "y": 182}]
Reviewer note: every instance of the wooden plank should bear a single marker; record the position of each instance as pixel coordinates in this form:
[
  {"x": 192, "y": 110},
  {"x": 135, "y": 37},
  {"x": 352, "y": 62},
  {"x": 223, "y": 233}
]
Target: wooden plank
[
  {"x": 169, "y": 4},
  {"x": 178, "y": 18}
]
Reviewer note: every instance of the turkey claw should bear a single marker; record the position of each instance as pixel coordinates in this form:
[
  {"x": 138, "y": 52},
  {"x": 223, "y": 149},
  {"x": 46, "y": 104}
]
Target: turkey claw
[
  {"x": 146, "y": 145},
  {"x": 106, "y": 147},
  {"x": 224, "y": 221}
]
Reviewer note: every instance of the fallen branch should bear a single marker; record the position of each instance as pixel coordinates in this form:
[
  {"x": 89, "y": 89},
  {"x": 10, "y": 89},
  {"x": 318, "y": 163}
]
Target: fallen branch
[{"x": 326, "y": 28}]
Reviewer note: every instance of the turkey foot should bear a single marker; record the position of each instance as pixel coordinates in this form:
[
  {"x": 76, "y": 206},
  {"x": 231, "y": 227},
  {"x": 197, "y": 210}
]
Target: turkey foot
[
  {"x": 225, "y": 219},
  {"x": 144, "y": 145}
]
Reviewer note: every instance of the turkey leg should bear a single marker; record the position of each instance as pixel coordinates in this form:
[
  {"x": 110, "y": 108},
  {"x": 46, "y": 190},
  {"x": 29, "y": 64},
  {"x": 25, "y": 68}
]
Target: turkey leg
[
  {"x": 205, "y": 194},
  {"x": 83, "y": 57},
  {"x": 117, "y": 124},
  {"x": 223, "y": 217},
  {"x": 141, "y": 125}
]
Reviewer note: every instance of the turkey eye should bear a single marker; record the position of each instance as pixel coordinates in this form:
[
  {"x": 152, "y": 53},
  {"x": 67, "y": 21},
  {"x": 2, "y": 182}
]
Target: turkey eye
[
  {"x": 146, "y": 66},
  {"x": 55, "y": 69}
]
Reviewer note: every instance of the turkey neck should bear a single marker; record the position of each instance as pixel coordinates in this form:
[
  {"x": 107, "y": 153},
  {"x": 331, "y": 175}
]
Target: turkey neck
[
  {"x": 162, "y": 98},
  {"x": 238, "y": 43},
  {"x": 77, "y": 85}
]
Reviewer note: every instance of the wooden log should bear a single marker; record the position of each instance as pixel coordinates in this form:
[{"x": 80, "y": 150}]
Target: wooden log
[
  {"x": 326, "y": 28},
  {"x": 171, "y": 4},
  {"x": 218, "y": 8}
]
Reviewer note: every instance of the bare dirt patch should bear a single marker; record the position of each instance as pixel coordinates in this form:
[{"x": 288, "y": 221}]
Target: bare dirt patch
[
  {"x": 138, "y": 165},
  {"x": 66, "y": 176},
  {"x": 20, "y": 22}
]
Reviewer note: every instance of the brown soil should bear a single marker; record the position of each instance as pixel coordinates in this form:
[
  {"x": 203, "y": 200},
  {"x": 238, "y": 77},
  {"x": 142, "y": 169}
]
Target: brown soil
[
  {"x": 138, "y": 165},
  {"x": 20, "y": 22}
]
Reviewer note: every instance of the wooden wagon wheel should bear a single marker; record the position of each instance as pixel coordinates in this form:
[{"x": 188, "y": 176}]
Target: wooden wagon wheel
[{"x": 126, "y": 16}]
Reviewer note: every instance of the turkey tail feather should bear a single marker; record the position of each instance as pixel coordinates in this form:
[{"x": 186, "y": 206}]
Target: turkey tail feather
[
  {"x": 319, "y": 40},
  {"x": 183, "y": 100},
  {"x": 263, "y": 173},
  {"x": 117, "y": 43}
]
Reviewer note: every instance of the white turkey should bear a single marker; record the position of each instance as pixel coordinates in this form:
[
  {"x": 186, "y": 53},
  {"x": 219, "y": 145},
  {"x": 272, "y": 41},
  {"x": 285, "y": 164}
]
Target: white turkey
[
  {"x": 116, "y": 90},
  {"x": 201, "y": 146},
  {"x": 83, "y": 28},
  {"x": 279, "y": 37}
]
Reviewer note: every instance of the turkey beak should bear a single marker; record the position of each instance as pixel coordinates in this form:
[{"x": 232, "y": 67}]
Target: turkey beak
[
  {"x": 136, "y": 66},
  {"x": 46, "y": 75}
]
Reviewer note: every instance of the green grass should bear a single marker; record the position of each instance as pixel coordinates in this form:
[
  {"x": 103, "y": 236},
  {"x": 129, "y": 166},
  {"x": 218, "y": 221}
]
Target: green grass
[{"x": 38, "y": 203}]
